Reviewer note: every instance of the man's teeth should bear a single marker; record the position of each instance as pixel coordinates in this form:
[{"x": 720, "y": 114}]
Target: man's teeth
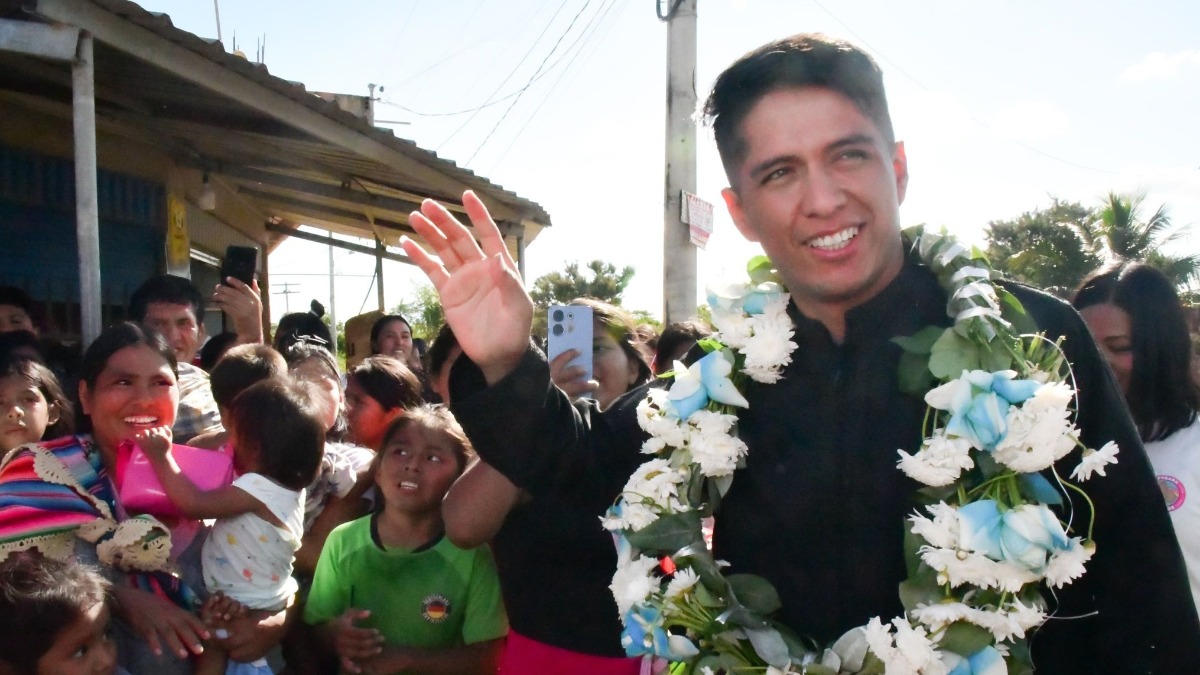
[
  {"x": 140, "y": 419},
  {"x": 836, "y": 240},
  {"x": 408, "y": 485}
]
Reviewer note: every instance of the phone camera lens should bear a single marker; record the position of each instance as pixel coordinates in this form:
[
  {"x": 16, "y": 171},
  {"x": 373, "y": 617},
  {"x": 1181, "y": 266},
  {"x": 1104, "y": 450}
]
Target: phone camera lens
[
  {"x": 557, "y": 329},
  {"x": 558, "y": 315}
]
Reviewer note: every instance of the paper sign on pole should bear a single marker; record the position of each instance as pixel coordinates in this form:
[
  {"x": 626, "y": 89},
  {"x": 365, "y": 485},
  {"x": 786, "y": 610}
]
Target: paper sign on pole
[{"x": 698, "y": 214}]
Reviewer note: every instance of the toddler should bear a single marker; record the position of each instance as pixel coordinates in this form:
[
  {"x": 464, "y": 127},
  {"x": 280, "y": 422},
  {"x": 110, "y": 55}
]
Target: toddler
[{"x": 278, "y": 439}]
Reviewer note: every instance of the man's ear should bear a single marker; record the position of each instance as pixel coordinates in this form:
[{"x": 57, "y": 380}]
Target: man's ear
[
  {"x": 734, "y": 205},
  {"x": 85, "y": 398},
  {"x": 900, "y": 168}
]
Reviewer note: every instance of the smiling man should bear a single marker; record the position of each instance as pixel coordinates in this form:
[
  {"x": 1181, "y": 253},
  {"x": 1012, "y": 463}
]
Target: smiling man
[{"x": 817, "y": 178}]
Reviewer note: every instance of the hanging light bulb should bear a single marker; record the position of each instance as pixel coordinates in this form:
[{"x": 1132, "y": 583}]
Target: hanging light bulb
[{"x": 207, "y": 201}]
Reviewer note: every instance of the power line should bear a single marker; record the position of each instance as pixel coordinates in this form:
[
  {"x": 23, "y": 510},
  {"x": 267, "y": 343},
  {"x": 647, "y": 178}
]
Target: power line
[
  {"x": 396, "y": 41},
  {"x": 554, "y": 88},
  {"x": 535, "y": 74},
  {"x": 507, "y": 77}
]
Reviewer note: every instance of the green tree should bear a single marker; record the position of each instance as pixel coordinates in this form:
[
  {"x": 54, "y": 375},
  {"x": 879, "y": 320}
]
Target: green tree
[
  {"x": 601, "y": 280},
  {"x": 423, "y": 311},
  {"x": 1121, "y": 233},
  {"x": 1044, "y": 247}
]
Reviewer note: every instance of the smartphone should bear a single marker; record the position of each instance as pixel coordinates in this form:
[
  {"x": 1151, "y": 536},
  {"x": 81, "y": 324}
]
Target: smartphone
[
  {"x": 241, "y": 262},
  {"x": 570, "y": 327}
]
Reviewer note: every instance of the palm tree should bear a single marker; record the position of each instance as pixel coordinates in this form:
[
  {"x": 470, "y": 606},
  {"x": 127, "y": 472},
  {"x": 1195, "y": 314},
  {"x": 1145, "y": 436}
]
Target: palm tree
[{"x": 1122, "y": 234}]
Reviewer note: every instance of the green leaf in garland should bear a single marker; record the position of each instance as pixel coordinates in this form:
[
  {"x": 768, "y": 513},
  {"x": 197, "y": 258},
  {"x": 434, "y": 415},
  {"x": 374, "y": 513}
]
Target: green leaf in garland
[
  {"x": 997, "y": 358},
  {"x": 759, "y": 269},
  {"x": 921, "y": 590},
  {"x": 710, "y": 345},
  {"x": 755, "y": 593},
  {"x": 952, "y": 354},
  {"x": 668, "y": 533},
  {"x": 770, "y": 646},
  {"x": 920, "y": 342},
  {"x": 1020, "y": 661},
  {"x": 872, "y": 666},
  {"x": 965, "y": 638},
  {"x": 913, "y": 374},
  {"x": 818, "y": 669},
  {"x": 1014, "y": 312}
]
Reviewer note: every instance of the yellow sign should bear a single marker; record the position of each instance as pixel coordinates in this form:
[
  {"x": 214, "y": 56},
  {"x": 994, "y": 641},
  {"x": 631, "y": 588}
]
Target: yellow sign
[{"x": 178, "y": 244}]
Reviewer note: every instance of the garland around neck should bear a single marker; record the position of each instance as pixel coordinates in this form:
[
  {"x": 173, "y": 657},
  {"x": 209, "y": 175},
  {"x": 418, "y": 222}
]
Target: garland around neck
[{"x": 983, "y": 546}]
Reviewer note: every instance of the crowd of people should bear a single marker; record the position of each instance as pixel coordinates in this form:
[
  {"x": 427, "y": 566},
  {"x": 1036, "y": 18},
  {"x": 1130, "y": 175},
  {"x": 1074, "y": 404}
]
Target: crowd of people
[{"x": 440, "y": 512}]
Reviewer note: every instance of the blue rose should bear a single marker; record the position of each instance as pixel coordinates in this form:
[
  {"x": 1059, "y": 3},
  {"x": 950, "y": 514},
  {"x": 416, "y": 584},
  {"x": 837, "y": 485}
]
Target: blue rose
[
  {"x": 986, "y": 661},
  {"x": 1025, "y": 536},
  {"x": 705, "y": 380}
]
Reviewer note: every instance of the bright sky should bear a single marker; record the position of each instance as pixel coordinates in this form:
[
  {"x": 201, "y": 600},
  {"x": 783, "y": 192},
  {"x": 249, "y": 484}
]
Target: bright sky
[{"x": 1000, "y": 105}]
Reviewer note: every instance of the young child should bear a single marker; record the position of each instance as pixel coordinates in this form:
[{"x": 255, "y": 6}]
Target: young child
[
  {"x": 378, "y": 390},
  {"x": 54, "y": 618},
  {"x": 278, "y": 439},
  {"x": 32, "y": 404},
  {"x": 391, "y": 593},
  {"x": 239, "y": 368}
]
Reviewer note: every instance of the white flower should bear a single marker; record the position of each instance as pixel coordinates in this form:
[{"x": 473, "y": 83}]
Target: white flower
[
  {"x": 960, "y": 567},
  {"x": 1051, "y": 396},
  {"x": 682, "y": 582},
  {"x": 770, "y": 347},
  {"x": 1038, "y": 436},
  {"x": 942, "y": 531},
  {"x": 1094, "y": 461},
  {"x": 633, "y": 583},
  {"x": 912, "y": 654},
  {"x": 1067, "y": 565},
  {"x": 1003, "y": 624},
  {"x": 733, "y": 328},
  {"x": 657, "y": 481},
  {"x": 653, "y": 446},
  {"x": 717, "y": 454},
  {"x": 939, "y": 461}
]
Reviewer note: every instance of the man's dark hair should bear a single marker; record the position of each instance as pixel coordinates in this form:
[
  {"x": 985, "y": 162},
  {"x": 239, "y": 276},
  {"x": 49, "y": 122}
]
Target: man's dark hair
[
  {"x": 292, "y": 444},
  {"x": 389, "y": 381},
  {"x": 169, "y": 289},
  {"x": 804, "y": 60},
  {"x": 1163, "y": 394},
  {"x": 39, "y": 598},
  {"x": 241, "y": 367}
]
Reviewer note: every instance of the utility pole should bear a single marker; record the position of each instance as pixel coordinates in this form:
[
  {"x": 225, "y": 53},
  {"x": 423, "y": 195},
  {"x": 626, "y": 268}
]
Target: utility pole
[
  {"x": 332, "y": 298},
  {"x": 287, "y": 305},
  {"x": 679, "y": 255}
]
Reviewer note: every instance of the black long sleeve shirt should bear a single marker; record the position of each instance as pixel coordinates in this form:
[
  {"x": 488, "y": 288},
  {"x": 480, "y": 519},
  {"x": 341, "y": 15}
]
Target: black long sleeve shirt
[{"x": 818, "y": 510}]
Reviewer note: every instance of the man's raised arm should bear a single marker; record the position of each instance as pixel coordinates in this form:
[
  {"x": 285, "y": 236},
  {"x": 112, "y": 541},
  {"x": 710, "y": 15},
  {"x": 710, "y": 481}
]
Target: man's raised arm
[{"x": 480, "y": 289}]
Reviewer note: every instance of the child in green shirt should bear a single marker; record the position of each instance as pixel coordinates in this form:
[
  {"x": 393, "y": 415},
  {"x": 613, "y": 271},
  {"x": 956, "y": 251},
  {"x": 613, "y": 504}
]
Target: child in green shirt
[{"x": 391, "y": 594}]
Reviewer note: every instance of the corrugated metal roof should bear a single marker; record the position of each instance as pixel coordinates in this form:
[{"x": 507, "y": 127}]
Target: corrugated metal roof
[{"x": 161, "y": 25}]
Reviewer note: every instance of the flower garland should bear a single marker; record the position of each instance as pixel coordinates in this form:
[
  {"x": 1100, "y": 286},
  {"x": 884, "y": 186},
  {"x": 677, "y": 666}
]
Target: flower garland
[{"x": 987, "y": 539}]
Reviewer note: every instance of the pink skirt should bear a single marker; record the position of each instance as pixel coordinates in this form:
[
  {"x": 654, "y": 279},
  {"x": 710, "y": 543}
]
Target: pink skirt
[{"x": 524, "y": 656}]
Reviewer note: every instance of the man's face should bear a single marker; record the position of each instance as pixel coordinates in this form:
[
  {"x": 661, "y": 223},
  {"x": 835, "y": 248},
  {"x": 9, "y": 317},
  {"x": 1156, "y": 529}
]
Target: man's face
[
  {"x": 820, "y": 188},
  {"x": 177, "y": 323},
  {"x": 13, "y": 318}
]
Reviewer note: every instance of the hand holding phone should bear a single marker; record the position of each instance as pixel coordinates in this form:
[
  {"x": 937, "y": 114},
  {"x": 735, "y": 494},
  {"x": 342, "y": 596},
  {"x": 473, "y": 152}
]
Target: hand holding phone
[
  {"x": 241, "y": 262},
  {"x": 570, "y": 328}
]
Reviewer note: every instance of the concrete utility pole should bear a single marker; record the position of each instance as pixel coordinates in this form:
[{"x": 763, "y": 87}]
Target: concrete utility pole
[
  {"x": 87, "y": 208},
  {"x": 679, "y": 255}
]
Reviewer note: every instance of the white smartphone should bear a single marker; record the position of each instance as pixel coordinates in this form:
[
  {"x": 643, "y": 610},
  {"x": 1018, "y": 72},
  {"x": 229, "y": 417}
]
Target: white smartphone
[{"x": 570, "y": 327}]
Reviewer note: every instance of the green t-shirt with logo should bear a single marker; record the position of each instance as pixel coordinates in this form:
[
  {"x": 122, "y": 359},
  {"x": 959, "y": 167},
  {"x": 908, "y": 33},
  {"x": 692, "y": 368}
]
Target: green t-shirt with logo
[{"x": 434, "y": 597}]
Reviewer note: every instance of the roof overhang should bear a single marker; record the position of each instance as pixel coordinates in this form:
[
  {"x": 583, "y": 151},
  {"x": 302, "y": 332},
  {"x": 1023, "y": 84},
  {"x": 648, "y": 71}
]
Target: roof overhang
[{"x": 294, "y": 157}]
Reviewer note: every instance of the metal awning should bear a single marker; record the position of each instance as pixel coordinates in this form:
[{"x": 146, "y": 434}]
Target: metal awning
[{"x": 292, "y": 156}]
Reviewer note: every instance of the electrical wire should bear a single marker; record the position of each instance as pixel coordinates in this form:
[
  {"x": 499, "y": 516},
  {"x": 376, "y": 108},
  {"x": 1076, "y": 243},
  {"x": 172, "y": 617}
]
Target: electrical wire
[
  {"x": 396, "y": 43},
  {"x": 554, "y": 87},
  {"x": 535, "y": 74},
  {"x": 506, "y": 77}
]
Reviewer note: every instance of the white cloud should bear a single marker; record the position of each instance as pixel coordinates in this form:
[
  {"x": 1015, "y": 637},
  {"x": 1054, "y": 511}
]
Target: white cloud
[
  {"x": 1161, "y": 65},
  {"x": 1030, "y": 121}
]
